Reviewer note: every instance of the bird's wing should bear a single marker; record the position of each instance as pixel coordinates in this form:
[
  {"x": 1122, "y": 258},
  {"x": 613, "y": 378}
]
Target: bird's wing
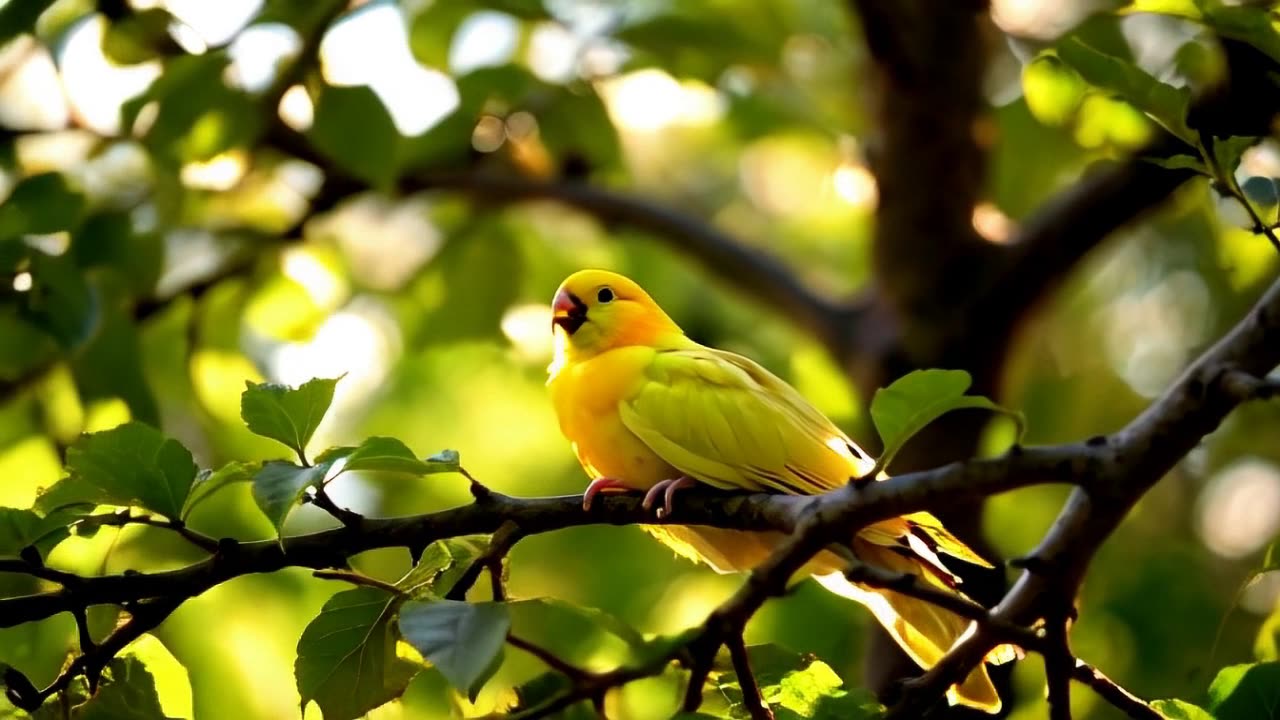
[{"x": 724, "y": 420}]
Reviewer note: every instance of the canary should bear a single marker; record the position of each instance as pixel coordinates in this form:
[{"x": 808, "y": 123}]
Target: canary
[{"x": 647, "y": 409}]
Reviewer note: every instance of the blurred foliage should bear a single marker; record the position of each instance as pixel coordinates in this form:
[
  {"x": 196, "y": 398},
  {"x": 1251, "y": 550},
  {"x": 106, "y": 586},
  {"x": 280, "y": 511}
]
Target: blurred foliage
[{"x": 157, "y": 251}]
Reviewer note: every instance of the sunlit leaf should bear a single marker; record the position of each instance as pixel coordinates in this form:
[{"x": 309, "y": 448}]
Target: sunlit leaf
[
  {"x": 1266, "y": 646},
  {"x": 347, "y": 658},
  {"x": 577, "y": 634},
  {"x": 353, "y": 128},
  {"x": 199, "y": 115},
  {"x": 917, "y": 399},
  {"x": 130, "y": 465},
  {"x": 139, "y": 36},
  {"x": 1052, "y": 88},
  {"x": 462, "y": 640},
  {"x": 796, "y": 686},
  {"x": 209, "y": 482},
  {"x": 279, "y": 485},
  {"x": 1245, "y": 692},
  {"x": 1180, "y": 710},
  {"x": 1166, "y": 104},
  {"x": 431, "y": 32},
  {"x": 441, "y": 565},
  {"x": 290, "y": 415},
  {"x": 1271, "y": 560}
]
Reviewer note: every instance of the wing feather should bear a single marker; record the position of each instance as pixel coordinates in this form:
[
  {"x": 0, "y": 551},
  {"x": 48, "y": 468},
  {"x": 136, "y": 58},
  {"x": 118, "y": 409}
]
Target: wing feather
[{"x": 724, "y": 420}]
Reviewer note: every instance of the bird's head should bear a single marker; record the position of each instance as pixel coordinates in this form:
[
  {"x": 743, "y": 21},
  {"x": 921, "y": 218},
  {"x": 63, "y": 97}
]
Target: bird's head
[{"x": 597, "y": 310}]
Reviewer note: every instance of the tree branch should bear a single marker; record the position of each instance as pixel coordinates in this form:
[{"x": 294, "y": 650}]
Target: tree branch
[
  {"x": 752, "y": 270},
  {"x": 1136, "y": 458}
]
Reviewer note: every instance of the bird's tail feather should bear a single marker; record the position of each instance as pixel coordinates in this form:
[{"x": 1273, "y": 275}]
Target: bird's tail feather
[{"x": 923, "y": 630}]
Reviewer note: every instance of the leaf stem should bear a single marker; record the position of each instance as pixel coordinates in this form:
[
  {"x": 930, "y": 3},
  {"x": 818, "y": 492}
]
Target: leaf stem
[{"x": 356, "y": 578}]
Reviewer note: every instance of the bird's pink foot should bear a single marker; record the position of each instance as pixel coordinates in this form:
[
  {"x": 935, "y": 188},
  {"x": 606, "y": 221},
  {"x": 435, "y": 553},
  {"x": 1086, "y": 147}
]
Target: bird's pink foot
[
  {"x": 599, "y": 484},
  {"x": 666, "y": 489}
]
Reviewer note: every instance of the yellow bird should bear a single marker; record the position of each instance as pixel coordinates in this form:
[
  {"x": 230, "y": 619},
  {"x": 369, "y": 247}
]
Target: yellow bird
[{"x": 647, "y": 409}]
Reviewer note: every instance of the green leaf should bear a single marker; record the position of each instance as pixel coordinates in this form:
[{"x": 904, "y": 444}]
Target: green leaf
[
  {"x": 797, "y": 686},
  {"x": 110, "y": 365},
  {"x": 1266, "y": 647},
  {"x": 353, "y": 128},
  {"x": 385, "y": 454},
  {"x": 1245, "y": 692},
  {"x": 20, "y": 529},
  {"x": 126, "y": 691},
  {"x": 42, "y": 203},
  {"x": 462, "y": 640},
  {"x": 199, "y": 115},
  {"x": 60, "y": 301},
  {"x": 108, "y": 240},
  {"x": 1053, "y": 89},
  {"x": 138, "y": 37},
  {"x": 209, "y": 482},
  {"x": 1166, "y": 104},
  {"x": 1271, "y": 560},
  {"x": 445, "y": 461},
  {"x": 19, "y": 16},
  {"x": 1179, "y": 162},
  {"x": 917, "y": 399},
  {"x": 279, "y": 485},
  {"x": 441, "y": 565},
  {"x": 130, "y": 465},
  {"x": 1180, "y": 710},
  {"x": 290, "y": 415},
  {"x": 347, "y": 659},
  {"x": 431, "y": 32}
]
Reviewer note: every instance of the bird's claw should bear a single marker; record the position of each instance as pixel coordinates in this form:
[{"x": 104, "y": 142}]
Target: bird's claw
[
  {"x": 597, "y": 485},
  {"x": 667, "y": 490}
]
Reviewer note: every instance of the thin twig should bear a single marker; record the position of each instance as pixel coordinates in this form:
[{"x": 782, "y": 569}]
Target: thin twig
[
  {"x": 129, "y": 517},
  {"x": 504, "y": 538},
  {"x": 356, "y": 578},
  {"x": 754, "y": 701},
  {"x": 573, "y": 672},
  {"x": 1058, "y": 665},
  {"x": 1107, "y": 689},
  {"x": 1244, "y": 386},
  {"x": 349, "y": 518}
]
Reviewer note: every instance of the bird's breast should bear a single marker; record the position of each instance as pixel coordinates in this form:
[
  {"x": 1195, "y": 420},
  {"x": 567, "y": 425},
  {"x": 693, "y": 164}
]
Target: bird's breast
[{"x": 586, "y": 396}]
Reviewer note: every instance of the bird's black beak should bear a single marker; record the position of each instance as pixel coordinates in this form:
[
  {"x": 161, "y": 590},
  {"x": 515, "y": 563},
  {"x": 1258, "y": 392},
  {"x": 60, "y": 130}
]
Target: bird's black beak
[{"x": 568, "y": 311}]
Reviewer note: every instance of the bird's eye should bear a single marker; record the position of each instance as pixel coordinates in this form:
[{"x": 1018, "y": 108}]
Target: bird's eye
[{"x": 605, "y": 295}]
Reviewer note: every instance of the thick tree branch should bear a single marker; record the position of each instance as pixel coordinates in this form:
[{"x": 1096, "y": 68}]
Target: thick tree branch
[{"x": 1138, "y": 456}]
